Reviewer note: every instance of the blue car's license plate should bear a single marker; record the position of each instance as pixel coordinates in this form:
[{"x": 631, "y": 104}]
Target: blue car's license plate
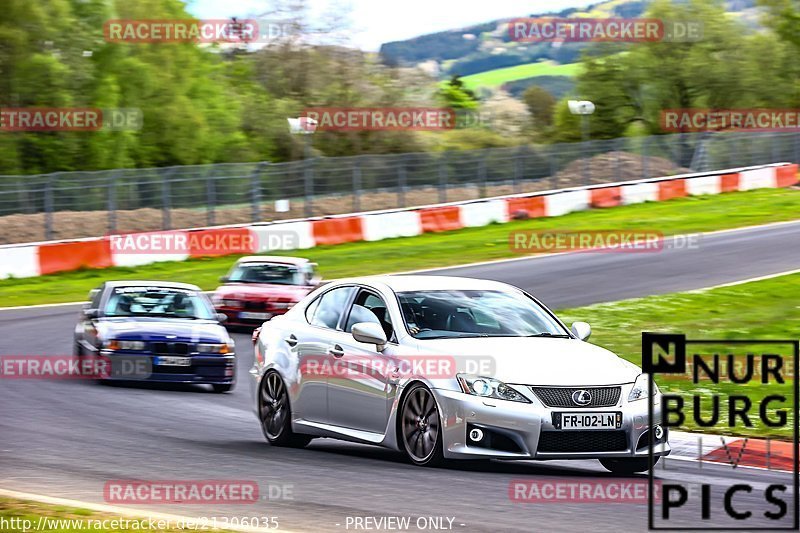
[{"x": 162, "y": 360}]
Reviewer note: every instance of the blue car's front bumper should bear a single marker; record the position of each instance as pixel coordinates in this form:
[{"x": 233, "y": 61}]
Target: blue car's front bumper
[{"x": 211, "y": 369}]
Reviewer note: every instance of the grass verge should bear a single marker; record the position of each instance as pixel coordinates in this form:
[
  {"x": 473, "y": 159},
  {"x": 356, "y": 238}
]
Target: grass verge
[
  {"x": 24, "y": 516},
  {"x": 499, "y": 76},
  {"x": 684, "y": 215},
  {"x": 766, "y": 309}
]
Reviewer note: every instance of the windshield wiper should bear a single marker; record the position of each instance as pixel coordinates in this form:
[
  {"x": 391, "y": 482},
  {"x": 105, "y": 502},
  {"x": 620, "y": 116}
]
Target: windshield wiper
[{"x": 551, "y": 335}]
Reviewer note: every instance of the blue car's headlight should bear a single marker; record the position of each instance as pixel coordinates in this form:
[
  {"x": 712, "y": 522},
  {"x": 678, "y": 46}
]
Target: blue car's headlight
[
  {"x": 640, "y": 390},
  {"x": 489, "y": 388},
  {"x": 114, "y": 344},
  {"x": 222, "y": 348}
]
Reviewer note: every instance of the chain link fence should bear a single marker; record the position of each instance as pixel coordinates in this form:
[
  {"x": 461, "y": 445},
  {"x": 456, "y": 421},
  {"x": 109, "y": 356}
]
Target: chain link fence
[{"x": 88, "y": 204}]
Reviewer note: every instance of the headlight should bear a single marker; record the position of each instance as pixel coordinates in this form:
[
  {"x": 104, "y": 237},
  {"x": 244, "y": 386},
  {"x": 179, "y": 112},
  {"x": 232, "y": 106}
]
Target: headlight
[
  {"x": 214, "y": 348},
  {"x": 639, "y": 390},
  {"x": 489, "y": 388},
  {"x": 125, "y": 345}
]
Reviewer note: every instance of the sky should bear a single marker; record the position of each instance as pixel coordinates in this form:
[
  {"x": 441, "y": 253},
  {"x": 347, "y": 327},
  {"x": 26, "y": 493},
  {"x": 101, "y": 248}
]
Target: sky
[{"x": 379, "y": 21}]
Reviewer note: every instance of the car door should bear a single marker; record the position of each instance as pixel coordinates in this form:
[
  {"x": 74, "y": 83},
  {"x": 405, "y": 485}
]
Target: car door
[
  {"x": 360, "y": 397},
  {"x": 311, "y": 339}
]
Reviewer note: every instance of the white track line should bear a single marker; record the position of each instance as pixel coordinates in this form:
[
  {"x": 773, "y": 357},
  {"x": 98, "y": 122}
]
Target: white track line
[
  {"x": 526, "y": 258},
  {"x": 127, "y": 512}
]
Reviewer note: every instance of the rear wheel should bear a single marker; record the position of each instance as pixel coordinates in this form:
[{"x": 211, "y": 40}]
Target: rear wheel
[
  {"x": 275, "y": 414},
  {"x": 628, "y": 466},
  {"x": 420, "y": 427}
]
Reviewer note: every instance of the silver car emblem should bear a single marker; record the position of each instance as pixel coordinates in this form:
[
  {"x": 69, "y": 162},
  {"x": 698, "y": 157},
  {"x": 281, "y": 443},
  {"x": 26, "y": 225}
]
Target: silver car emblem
[{"x": 581, "y": 397}]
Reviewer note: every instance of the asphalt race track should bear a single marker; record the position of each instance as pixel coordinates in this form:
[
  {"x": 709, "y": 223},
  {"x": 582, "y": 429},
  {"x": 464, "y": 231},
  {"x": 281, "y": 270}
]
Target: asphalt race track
[{"x": 68, "y": 438}]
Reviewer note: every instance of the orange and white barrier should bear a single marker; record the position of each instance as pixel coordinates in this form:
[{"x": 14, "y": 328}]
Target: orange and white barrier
[{"x": 35, "y": 259}]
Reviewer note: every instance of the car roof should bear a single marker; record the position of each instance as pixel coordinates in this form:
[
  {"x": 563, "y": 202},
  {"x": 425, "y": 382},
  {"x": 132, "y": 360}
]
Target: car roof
[
  {"x": 273, "y": 259},
  {"x": 405, "y": 283},
  {"x": 153, "y": 283}
]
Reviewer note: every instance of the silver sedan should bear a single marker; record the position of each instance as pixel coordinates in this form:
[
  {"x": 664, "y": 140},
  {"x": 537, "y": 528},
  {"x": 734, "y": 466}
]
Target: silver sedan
[{"x": 449, "y": 368}]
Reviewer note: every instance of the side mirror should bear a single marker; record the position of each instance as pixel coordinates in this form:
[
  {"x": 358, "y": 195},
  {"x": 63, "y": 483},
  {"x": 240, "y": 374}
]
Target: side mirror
[
  {"x": 223, "y": 279},
  {"x": 582, "y": 330},
  {"x": 370, "y": 333},
  {"x": 221, "y": 317},
  {"x": 91, "y": 314}
]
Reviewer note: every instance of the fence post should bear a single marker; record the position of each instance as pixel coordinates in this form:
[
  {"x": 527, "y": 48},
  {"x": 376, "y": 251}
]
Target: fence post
[
  {"x": 255, "y": 191},
  {"x": 48, "y": 208},
  {"x": 166, "y": 222},
  {"x": 552, "y": 153},
  {"x": 401, "y": 183},
  {"x": 308, "y": 186},
  {"x": 357, "y": 185},
  {"x": 796, "y": 147},
  {"x": 482, "y": 185},
  {"x": 211, "y": 199},
  {"x": 443, "y": 178},
  {"x": 644, "y": 157},
  {"x": 112, "y": 204},
  {"x": 618, "y": 161},
  {"x": 517, "y": 168}
]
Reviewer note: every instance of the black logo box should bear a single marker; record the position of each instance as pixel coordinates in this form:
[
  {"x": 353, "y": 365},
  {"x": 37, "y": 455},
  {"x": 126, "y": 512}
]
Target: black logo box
[{"x": 665, "y": 341}]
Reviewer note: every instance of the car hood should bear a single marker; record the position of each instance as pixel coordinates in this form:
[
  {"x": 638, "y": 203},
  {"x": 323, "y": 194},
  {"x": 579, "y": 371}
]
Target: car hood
[
  {"x": 262, "y": 290},
  {"x": 162, "y": 329},
  {"x": 536, "y": 361}
]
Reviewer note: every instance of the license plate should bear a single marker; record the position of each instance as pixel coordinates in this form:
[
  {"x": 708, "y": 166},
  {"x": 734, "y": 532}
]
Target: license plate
[
  {"x": 247, "y": 315},
  {"x": 173, "y": 361},
  {"x": 585, "y": 420}
]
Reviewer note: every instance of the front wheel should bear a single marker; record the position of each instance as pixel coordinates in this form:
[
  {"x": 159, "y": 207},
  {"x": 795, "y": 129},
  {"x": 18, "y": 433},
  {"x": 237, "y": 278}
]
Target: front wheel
[
  {"x": 275, "y": 414},
  {"x": 221, "y": 389},
  {"x": 420, "y": 427},
  {"x": 628, "y": 466}
]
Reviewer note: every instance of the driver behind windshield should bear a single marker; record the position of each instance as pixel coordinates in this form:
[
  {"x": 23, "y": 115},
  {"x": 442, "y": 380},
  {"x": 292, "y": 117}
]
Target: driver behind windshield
[
  {"x": 129, "y": 301},
  {"x": 268, "y": 273}
]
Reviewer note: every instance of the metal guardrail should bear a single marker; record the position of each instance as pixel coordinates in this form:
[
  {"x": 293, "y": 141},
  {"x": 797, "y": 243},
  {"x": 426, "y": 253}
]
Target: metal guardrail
[{"x": 190, "y": 196}]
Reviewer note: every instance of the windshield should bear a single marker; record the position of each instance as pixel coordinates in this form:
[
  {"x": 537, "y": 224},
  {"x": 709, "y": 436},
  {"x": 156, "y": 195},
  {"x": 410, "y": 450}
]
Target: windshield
[
  {"x": 274, "y": 273},
  {"x": 482, "y": 313},
  {"x": 160, "y": 302}
]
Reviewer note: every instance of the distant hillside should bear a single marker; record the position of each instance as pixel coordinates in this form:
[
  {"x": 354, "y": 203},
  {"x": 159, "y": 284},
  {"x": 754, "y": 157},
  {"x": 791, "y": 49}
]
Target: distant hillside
[{"x": 486, "y": 47}]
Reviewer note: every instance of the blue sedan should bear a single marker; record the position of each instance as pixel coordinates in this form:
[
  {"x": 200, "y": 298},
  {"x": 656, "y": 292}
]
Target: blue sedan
[{"x": 156, "y": 331}]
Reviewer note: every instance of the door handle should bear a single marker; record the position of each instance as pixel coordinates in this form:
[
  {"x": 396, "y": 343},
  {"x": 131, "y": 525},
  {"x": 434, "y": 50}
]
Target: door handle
[
  {"x": 336, "y": 351},
  {"x": 291, "y": 340}
]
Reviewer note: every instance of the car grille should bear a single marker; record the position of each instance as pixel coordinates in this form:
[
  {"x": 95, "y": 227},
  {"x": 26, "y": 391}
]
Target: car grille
[
  {"x": 562, "y": 396},
  {"x": 582, "y": 441},
  {"x": 255, "y": 306},
  {"x": 170, "y": 348}
]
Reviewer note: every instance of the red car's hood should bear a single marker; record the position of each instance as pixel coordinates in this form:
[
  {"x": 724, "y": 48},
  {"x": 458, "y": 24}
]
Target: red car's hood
[{"x": 245, "y": 291}]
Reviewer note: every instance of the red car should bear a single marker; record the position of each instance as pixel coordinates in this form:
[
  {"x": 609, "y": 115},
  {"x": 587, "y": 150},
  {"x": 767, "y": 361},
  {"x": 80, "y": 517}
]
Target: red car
[{"x": 259, "y": 287}]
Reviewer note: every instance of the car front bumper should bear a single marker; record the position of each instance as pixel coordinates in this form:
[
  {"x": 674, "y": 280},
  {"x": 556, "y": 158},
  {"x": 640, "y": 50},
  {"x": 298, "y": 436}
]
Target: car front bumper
[
  {"x": 204, "y": 369},
  {"x": 515, "y": 430}
]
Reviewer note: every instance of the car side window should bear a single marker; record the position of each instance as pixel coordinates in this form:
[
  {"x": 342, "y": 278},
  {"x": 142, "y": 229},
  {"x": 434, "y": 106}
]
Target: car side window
[
  {"x": 330, "y": 307},
  {"x": 94, "y": 298},
  {"x": 369, "y": 307},
  {"x": 312, "y": 307}
]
